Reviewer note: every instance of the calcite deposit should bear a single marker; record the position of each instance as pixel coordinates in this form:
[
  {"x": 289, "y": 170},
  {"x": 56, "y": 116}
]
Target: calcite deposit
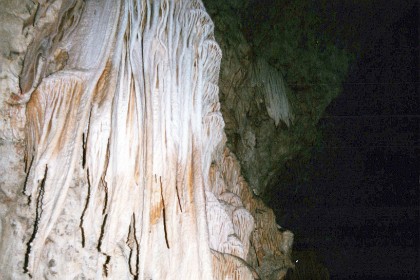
[{"x": 113, "y": 156}]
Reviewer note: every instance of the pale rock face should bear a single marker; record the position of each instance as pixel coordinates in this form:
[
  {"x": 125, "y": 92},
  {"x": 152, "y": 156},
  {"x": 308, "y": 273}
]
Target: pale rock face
[
  {"x": 15, "y": 216},
  {"x": 15, "y": 34},
  {"x": 121, "y": 171}
]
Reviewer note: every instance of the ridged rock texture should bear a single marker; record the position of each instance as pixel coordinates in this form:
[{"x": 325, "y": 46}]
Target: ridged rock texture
[{"x": 113, "y": 155}]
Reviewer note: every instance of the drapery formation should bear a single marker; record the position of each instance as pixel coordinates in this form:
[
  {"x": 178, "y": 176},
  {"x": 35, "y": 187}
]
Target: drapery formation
[
  {"x": 126, "y": 89},
  {"x": 127, "y": 175}
]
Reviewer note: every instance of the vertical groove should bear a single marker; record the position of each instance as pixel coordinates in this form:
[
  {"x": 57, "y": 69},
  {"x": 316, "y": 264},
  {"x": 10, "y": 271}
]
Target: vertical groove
[
  {"x": 38, "y": 213},
  {"x": 163, "y": 213},
  {"x": 177, "y": 195},
  {"x": 85, "y": 208}
]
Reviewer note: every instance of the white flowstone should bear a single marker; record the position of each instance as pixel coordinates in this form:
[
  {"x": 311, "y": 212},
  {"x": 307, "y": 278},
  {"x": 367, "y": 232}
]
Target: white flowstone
[{"x": 127, "y": 175}]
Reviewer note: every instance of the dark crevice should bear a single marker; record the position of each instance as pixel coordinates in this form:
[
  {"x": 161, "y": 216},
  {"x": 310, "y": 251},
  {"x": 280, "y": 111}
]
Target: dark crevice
[
  {"x": 38, "y": 213},
  {"x": 103, "y": 181},
  {"x": 137, "y": 246},
  {"x": 85, "y": 208},
  {"x": 84, "y": 150},
  {"x": 31, "y": 20},
  {"x": 130, "y": 255},
  {"x": 85, "y": 139},
  {"x": 27, "y": 168},
  {"x": 163, "y": 213},
  {"x": 105, "y": 185},
  {"x": 101, "y": 236},
  {"x": 105, "y": 267},
  {"x": 134, "y": 248}
]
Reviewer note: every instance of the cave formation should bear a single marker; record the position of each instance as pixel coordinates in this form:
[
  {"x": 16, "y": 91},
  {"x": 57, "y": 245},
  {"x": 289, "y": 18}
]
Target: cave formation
[{"x": 113, "y": 153}]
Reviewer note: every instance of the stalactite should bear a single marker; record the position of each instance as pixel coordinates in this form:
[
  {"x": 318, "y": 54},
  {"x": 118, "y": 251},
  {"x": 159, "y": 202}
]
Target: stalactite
[{"x": 268, "y": 80}]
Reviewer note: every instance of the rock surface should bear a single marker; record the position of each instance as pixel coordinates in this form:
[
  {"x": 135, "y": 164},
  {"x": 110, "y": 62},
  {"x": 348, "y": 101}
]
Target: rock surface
[
  {"x": 255, "y": 102},
  {"x": 279, "y": 73},
  {"x": 122, "y": 170}
]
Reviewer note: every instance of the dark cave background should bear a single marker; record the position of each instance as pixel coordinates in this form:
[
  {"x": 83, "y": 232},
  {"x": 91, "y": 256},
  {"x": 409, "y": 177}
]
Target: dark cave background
[{"x": 356, "y": 203}]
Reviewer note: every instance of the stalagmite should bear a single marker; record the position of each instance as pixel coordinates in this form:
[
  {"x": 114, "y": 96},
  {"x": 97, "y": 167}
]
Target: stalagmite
[{"x": 127, "y": 174}]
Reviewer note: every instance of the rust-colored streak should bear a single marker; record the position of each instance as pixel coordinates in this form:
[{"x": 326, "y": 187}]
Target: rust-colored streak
[
  {"x": 34, "y": 115},
  {"x": 131, "y": 114},
  {"x": 70, "y": 118},
  {"x": 155, "y": 213},
  {"x": 28, "y": 76},
  {"x": 103, "y": 85},
  {"x": 156, "y": 205},
  {"x": 190, "y": 179},
  {"x": 191, "y": 184}
]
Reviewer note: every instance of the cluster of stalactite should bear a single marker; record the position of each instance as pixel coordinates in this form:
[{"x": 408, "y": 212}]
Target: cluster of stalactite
[
  {"x": 270, "y": 82},
  {"x": 127, "y": 174}
]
